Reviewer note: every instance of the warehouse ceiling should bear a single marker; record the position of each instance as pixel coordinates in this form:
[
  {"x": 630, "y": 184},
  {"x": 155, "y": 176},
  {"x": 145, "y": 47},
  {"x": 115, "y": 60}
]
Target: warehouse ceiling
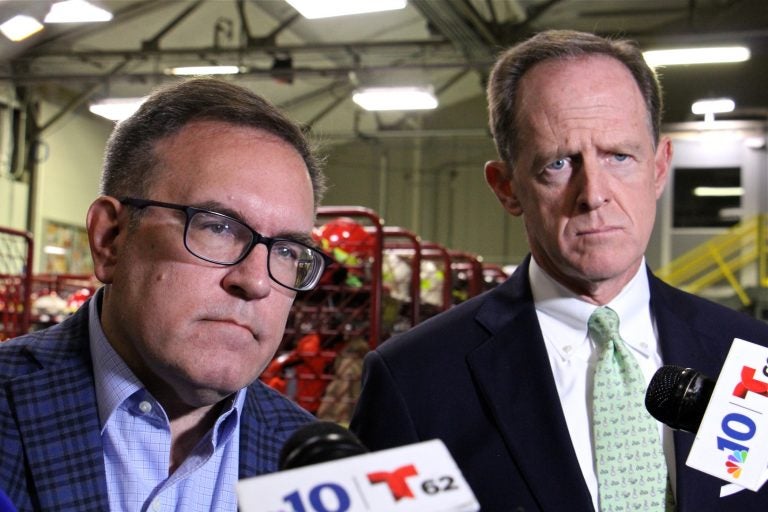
[{"x": 311, "y": 67}]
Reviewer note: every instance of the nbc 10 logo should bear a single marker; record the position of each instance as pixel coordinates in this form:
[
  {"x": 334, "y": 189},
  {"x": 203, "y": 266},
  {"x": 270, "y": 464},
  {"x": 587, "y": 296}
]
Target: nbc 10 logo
[{"x": 738, "y": 426}]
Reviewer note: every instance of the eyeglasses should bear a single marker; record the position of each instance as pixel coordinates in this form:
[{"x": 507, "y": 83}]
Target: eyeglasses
[{"x": 224, "y": 240}]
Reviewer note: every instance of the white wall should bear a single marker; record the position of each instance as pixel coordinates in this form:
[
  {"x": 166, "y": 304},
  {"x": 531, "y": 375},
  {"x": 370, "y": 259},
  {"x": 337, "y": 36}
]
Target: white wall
[
  {"x": 69, "y": 164},
  {"x": 69, "y": 170},
  {"x": 13, "y": 193},
  {"x": 699, "y": 145}
]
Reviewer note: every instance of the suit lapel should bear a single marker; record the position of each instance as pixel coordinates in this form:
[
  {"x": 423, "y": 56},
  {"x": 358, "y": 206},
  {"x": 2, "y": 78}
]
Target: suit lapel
[
  {"x": 683, "y": 345},
  {"x": 267, "y": 421},
  {"x": 515, "y": 378},
  {"x": 250, "y": 438}
]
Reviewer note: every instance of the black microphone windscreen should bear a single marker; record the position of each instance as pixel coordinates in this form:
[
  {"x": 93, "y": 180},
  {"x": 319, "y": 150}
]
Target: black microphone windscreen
[
  {"x": 678, "y": 397},
  {"x": 316, "y": 442}
]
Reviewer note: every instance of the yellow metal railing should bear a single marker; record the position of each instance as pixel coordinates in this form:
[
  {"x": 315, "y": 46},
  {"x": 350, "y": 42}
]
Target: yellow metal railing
[{"x": 721, "y": 258}]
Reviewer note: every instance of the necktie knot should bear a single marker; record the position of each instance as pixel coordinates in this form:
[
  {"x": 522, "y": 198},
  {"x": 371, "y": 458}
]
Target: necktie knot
[{"x": 603, "y": 326}]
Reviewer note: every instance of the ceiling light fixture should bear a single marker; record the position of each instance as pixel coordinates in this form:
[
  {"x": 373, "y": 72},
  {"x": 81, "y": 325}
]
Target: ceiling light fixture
[
  {"x": 708, "y": 108},
  {"x": 685, "y": 56},
  {"x": 395, "y": 98},
  {"x": 76, "y": 11},
  {"x": 718, "y": 191},
  {"x": 203, "y": 70},
  {"x": 20, "y": 27},
  {"x": 116, "y": 109},
  {"x": 312, "y": 9}
]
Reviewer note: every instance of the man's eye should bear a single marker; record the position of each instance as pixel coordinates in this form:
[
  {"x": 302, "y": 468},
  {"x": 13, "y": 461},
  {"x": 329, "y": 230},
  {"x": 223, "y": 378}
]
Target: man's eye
[
  {"x": 620, "y": 157},
  {"x": 286, "y": 251},
  {"x": 218, "y": 227},
  {"x": 557, "y": 165}
]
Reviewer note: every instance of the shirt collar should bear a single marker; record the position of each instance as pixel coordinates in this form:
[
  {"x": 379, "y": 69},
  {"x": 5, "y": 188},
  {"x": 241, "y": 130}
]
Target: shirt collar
[
  {"x": 115, "y": 382},
  {"x": 554, "y": 301}
]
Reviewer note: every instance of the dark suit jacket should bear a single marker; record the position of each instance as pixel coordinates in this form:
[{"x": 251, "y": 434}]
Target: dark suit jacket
[
  {"x": 51, "y": 456},
  {"x": 478, "y": 378}
]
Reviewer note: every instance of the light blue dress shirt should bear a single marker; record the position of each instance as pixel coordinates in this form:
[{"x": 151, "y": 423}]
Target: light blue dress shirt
[{"x": 137, "y": 443}]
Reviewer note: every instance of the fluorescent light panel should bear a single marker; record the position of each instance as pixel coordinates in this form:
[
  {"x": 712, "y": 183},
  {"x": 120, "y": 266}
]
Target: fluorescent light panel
[
  {"x": 713, "y": 106},
  {"x": 116, "y": 109},
  {"x": 76, "y": 11},
  {"x": 204, "y": 70},
  {"x": 395, "y": 98},
  {"x": 20, "y": 27},
  {"x": 55, "y": 249},
  {"x": 314, "y": 9},
  {"x": 718, "y": 191},
  {"x": 684, "y": 56}
]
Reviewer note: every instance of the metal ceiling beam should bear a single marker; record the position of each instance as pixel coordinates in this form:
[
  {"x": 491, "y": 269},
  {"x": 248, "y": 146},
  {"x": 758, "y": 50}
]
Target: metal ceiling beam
[
  {"x": 154, "y": 43},
  {"x": 314, "y": 48},
  {"x": 447, "y": 19},
  {"x": 269, "y": 39},
  {"x": 253, "y": 72}
]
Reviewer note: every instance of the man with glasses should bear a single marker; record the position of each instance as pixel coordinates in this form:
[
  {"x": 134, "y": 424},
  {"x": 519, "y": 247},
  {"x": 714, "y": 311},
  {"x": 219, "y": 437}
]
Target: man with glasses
[{"x": 148, "y": 397}]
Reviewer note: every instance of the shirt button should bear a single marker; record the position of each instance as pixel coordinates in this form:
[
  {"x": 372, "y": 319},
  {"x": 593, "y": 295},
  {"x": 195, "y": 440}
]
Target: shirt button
[
  {"x": 145, "y": 406},
  {"x": 567, "y": 349}
]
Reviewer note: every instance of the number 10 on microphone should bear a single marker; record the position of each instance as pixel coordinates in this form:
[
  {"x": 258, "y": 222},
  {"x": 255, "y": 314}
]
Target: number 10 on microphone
[{"x": 324, "y": 497}]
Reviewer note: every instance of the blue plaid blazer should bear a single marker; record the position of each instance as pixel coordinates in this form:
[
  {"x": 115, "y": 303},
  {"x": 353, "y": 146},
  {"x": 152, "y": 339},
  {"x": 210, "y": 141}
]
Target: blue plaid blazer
[{"x": 51, "y": 456}]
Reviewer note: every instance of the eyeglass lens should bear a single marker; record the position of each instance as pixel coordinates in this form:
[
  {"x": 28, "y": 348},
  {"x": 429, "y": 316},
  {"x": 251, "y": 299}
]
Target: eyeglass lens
[{"x": 222, "y": 239}]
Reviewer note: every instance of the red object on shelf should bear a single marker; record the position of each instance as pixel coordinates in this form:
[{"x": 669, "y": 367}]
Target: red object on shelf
[
  {"x": 346, "y": 234},
  {"x": 348, "y": 308},
  {"x": 302, "y": 374},
  {"x": 341, "y": 316},
  {"x": 16, "y": 250}
]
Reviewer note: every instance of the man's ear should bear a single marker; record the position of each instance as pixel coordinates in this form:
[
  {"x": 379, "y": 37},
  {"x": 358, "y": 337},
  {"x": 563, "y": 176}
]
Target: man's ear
[
  {"x": 104, "y": 230},
  {"x": 662, "y": 164},
  {"x": 499, "y": 178}
]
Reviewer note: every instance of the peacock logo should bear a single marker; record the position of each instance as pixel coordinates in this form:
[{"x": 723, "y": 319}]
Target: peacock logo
[{"x": 735, "y": 461}]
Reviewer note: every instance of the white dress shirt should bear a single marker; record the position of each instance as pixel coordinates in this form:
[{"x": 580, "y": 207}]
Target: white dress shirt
[{"x": 572, "y": 355}]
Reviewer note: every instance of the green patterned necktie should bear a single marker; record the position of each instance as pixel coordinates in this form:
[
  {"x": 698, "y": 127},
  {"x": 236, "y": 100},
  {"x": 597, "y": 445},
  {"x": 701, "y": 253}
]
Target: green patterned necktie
[{"x": 631, "y": 470}]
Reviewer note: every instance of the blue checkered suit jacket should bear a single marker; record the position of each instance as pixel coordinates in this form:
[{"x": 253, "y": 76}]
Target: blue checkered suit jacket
[{"x": 51, "y": 454}]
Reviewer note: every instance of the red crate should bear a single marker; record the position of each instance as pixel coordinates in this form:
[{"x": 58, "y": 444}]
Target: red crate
[{"x": 16, "y": 250}]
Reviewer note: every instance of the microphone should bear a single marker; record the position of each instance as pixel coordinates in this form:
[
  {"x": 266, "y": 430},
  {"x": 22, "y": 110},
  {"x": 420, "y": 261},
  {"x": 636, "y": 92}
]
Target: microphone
[
  {"x": 317, "y": 442},
  {"x": 324, "y": 467},
  {"x": 678, "y": 397},
  {"x": 729, "y": 416}
]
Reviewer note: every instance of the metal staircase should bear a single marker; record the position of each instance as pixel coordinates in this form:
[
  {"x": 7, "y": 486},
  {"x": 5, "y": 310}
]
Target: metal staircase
[{"x": 735, "y": 259}]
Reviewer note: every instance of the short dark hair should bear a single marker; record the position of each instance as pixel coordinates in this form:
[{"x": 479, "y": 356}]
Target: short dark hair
[
  {"x": 130, "y": 160},
  {"x": 504, "y": 81}
]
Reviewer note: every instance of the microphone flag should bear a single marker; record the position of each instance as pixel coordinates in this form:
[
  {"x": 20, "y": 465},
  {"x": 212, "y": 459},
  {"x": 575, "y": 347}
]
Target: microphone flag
[
  {"x": 421, "y": 477},
  {"x": 732, "y": 440}
]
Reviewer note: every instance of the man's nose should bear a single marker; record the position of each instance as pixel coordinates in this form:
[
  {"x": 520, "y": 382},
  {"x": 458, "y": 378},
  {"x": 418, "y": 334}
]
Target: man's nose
[
  {"x": 250, "y": 279},
  {"x": 594, "y": 185}
]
